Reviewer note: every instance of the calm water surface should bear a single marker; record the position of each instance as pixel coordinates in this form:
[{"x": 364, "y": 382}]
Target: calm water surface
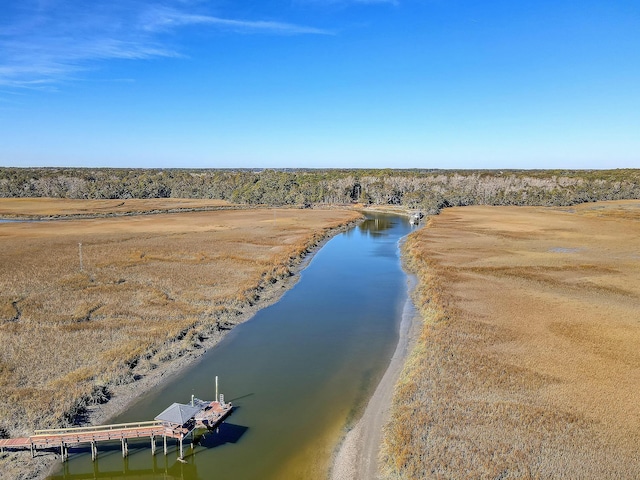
[{"x": 299, "y": 373}]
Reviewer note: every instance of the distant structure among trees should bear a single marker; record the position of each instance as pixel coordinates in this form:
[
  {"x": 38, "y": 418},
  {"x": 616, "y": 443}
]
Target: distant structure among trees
[{"x": 429, "y": 190}]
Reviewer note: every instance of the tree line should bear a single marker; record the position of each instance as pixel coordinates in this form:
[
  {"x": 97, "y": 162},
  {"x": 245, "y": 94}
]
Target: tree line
[{"x": 428, "y": 190}]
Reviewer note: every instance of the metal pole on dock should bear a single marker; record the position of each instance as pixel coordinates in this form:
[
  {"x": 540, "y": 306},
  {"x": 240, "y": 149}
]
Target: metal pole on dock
[
  {"x": 164, "y": 438},
  {"x": 216, "y": 399},
  {"x": 125, "y": 448},
  {"x": 153, "y": 446},
  {"x": 181, "y": 449},
  {"x": 94, "y": 451}
]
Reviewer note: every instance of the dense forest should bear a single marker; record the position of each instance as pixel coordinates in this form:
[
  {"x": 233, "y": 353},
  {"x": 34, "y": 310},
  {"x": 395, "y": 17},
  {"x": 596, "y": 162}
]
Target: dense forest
[{"x": 428, "y": 190}]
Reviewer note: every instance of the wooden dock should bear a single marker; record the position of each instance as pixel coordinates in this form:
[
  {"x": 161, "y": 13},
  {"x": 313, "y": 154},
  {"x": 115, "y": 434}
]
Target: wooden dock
[{"x": 206, "y": 415}]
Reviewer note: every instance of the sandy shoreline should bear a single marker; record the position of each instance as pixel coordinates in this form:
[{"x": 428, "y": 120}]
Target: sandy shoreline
[{"x": 357, "y": 457}]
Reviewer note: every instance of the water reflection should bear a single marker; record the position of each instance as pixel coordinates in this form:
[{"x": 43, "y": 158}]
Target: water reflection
[
  {"x": 162, "y": 467},
  {"x": 377, "y": 225},
  {"x": 299, "y": 372}
]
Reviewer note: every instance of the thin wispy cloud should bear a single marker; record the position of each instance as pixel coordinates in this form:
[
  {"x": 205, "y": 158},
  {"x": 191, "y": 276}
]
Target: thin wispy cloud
[
  {"x": 346, "y": 3},
  {"x": 45, "y": 42},
  {"x": 160, "y": 19}
]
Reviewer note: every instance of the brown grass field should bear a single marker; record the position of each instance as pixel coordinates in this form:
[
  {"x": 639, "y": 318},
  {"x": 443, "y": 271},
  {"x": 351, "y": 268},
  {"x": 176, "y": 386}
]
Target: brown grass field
[
  {"x": 528, "y": 365},
  {"x": 152, "y": 287},
  {"x": 60, "y": 207}
]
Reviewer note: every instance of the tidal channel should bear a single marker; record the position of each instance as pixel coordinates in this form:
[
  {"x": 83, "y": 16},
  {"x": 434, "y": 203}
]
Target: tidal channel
[{"x": 299, "y": 373}]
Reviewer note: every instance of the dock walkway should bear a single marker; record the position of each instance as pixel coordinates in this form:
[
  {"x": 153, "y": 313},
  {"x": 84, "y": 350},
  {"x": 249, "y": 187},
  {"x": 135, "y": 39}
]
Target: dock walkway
[{"x": 209, "y": 416}]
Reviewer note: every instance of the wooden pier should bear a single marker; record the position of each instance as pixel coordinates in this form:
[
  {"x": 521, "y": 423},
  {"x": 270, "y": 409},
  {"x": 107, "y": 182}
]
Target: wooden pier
[{"x": 176, "y": 422}]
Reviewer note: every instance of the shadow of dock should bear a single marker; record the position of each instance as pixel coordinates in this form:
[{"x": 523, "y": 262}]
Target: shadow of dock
[{"x": 225, "y": 433}]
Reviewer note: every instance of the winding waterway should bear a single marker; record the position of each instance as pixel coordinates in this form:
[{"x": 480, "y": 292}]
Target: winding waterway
[{"x": 299, "y": 372}]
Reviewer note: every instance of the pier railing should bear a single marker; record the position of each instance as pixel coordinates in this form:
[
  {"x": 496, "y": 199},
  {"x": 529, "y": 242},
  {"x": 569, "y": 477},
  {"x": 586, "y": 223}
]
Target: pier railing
[{"x": 100, "y": 428}]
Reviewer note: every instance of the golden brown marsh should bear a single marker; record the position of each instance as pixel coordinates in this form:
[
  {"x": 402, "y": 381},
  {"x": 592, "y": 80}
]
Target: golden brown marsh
[{"x": 528, "y": 363}]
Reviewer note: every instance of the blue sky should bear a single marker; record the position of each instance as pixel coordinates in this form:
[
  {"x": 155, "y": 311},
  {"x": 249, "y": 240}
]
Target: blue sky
[{"x": 320, "y": 83}]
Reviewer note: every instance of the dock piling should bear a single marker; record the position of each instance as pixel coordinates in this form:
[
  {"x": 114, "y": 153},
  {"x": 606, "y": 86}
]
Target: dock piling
[{"x": 64, "y": 452}]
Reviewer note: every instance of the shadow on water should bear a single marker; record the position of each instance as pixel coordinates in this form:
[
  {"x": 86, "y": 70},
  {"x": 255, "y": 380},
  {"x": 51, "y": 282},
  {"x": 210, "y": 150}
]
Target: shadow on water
[
  {"x": 235, "y": 399},
  {"x": 226, "y": 433}
]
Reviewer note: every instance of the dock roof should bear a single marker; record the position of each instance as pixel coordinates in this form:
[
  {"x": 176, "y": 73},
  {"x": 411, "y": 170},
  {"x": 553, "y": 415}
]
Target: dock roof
[{"x": 178, "y": 413}]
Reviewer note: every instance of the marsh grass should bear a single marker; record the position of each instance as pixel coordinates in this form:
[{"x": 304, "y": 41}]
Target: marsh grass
[
  {"x": 151, "y": 289},
  {"x": 527, "y": 365},
  {"x": 66, "y": 207}
]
